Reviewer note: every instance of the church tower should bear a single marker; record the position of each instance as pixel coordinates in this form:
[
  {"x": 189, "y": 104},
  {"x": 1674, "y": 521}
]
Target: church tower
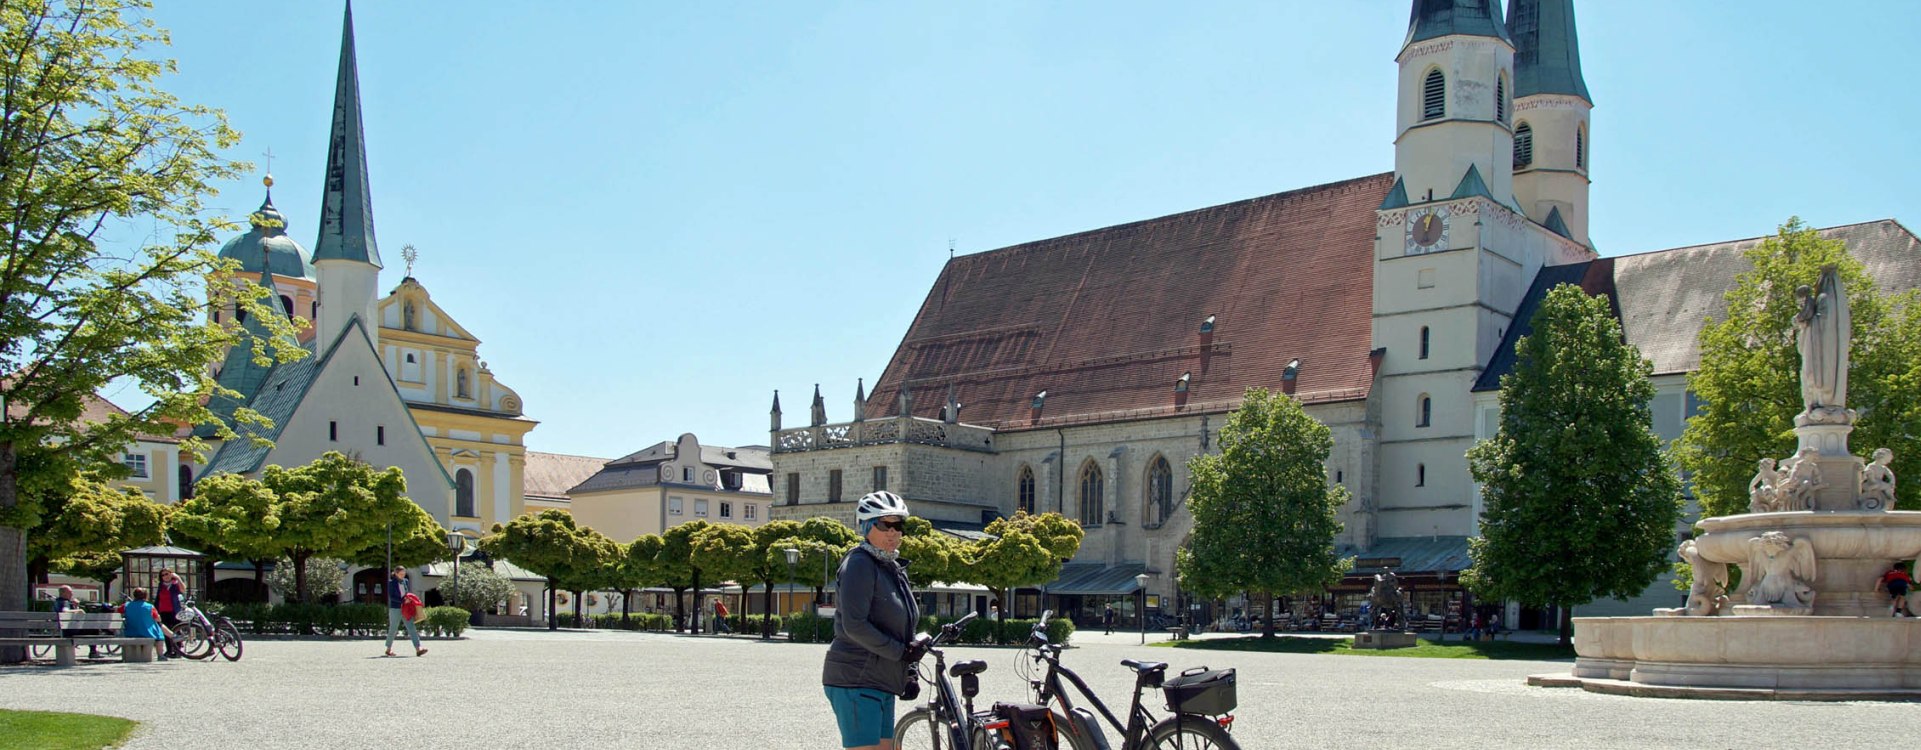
[
  {"x": 1551, "y": 110},
  {"x": 1453, "y": 112},
  {"x": 345, "y": 257}
]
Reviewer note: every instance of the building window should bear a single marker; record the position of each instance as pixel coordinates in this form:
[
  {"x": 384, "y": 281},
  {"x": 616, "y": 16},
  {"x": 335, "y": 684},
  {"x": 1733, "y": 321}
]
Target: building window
[
  {"x": 137, "y": 463},
  {"x": 1424, "y": 338},
  {"x": 1523, "y": 145},
  {"x": 186, "y": 482},
  {"x": 700, "y": 507},
  {"x": 1500, "y": 98},
  {"x": 239, "y": 314},
  {"x": 1338, "y": 476},
  {"x": 687, "y": 474},
  {"x": 726, "y": 509},
  {"x": 880, "y": 478},
  {"x": 1426, "y": 415},
  {"x": 749, "y": 511},
  {"x": 793, "y": 489},
  {"x": 464, "y": 494},
  {"x": 1160, "y": 491},
  {"x": 1026, "y": 489},
  {"x": 833, "y": 486},
  {"x": 1580, "y": 148},
  {"x": 1434, "y": 95},
  {"x": 333, "y": 430},
  {"x": 286, "y": 303},
  {"x": 1420, "y": 475},
  {"x": 316, "y": 310},
  {"x": 216, "y": 316},
  {"x": 673, "y": 506},
  {"x": 1093, "y": 502}
]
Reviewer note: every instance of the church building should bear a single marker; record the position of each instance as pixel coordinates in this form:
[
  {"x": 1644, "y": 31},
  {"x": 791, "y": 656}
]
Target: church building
[{"x": 1079, "y": 374}]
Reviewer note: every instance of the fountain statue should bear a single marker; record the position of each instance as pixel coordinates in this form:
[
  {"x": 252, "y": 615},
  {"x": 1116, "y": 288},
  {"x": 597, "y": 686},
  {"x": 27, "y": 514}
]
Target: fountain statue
[
  {"x": 1387, "y": 616},
  {"x": 1805, "y": 620}
]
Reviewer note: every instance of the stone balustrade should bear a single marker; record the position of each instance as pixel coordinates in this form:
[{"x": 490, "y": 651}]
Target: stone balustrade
[{"x": 914, "y": 430}]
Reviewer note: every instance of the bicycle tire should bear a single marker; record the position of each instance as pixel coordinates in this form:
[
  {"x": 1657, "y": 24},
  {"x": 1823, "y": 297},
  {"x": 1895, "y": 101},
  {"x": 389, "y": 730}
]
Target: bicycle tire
[
  {"x": 1187, "y": 732},
  {"x": 40, "y": 650},
  {"x": 110, "y": 649},
  {"x": 916, "y": 730},
  {"x": 1069, "y": 736},
  {"x": 226, "y": 638},
  {"x": 195, "y": 640}
]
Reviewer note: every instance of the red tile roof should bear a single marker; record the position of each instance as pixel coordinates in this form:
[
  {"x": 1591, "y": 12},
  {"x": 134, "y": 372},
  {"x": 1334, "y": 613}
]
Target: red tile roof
[{"x": 1106, "y": 321}]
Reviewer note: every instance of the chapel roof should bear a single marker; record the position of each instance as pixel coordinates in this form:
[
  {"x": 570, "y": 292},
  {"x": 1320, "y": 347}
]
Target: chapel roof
[
  {"x": 550, "y": 475},
  {"x": 266, "y": 244},
  {"x": 1106, "y": 321}
]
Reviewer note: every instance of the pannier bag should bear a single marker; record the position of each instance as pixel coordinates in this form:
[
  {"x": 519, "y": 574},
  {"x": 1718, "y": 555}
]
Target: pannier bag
[
  {"x": 1029, "y": 727},
  {"x": 1208, "y": 692}
]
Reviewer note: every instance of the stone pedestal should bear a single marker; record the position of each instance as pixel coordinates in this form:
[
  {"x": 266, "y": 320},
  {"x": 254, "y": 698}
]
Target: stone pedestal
[{"x": 1385, "y": 639}]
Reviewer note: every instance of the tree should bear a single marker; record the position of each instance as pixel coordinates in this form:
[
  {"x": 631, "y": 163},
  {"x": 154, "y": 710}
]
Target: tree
[
  {"x": 770, "y": 564},
  {"x": 1264, "y": 511},
  {"x": 340, "y": 507},
  {"x": 933, "y": 556},
  {"x": 726, "y": 552},
  {"x": 1580, "y": 500},
  {"x": 677, "y": 565},
  {"x": 551, "y": 545},
  {"x": 95, "y": 522},
  {"x": 479, "y": 589},
  {"x": 640, "y": 568},
  {"x": 91, "y": 148},
  {"x": 231, "y": 516},
  {"x": 1748, "y": 380},
  {"x": 821, "y": 540},
  {"x": 324, "y": 576},
  {"x": 1022, "y": 550}
]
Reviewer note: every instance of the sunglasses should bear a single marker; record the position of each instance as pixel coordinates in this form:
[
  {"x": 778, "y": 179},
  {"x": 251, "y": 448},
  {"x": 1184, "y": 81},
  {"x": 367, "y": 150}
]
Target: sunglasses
[{"x": 891, "y": 525}]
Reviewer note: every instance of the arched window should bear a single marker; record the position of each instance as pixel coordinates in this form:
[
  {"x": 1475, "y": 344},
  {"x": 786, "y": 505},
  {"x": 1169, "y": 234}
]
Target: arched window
[
  {"x": 464, "y": 494},
  {"x": 286, "y": 303},
  {"x": 460, "y": 383},
  {"x": 1024, "y": 488},
  {"x": 1580, "y": 147},
  {"x": 1523, "y": 145},
  {"x": 1420, "y": 475},
  {"x": 1424, "y": 339},
  {"x": 1434, "y": 95},
  {"x": 1426, "y": 414},
  {"x": 1500, "y": 98},
  {"x": 1160, "y": 491},
  {"x": 1093, "y": 502},
  {"x": 186, "y": 482}
]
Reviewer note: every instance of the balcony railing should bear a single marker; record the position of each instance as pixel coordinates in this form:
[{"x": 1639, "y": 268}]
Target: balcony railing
[{"x": 910, "y": 430}]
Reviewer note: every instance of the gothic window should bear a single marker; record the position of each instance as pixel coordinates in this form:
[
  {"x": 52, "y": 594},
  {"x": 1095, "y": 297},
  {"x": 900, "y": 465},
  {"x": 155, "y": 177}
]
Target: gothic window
[
  {"x": 1424, "y": 339},
  {"x": 1025, "y": 489},
  {"x": 1500, "y": 98},
  {"x": 1580, "y": 147},
  {"x": 1523, "y": 145},
  {"x": 1093, "y": 503},
  {"x": 1160, "y": 491},
  {"x": 460, "y": 383},
  {"x": 833, "y": 486},
  {"x": 464, "y": 494},
  {"x": 1434, "y": 96},
  {"x": 1420, "y": 475},
  {"x": 1426, "y": 415}
]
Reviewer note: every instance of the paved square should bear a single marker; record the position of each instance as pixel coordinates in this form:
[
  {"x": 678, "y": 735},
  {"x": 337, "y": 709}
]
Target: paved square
[{"x": 634, "y": 690}]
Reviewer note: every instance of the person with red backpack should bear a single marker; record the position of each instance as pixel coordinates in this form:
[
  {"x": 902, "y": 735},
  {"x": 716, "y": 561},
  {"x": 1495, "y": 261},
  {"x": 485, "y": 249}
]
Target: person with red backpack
[
  {"x": 1897, "y": 582},
  {"x": 402, "y": 608}
]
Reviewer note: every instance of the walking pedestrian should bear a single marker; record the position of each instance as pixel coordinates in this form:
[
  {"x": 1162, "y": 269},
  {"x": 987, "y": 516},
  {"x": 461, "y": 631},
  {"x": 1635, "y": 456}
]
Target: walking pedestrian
[
  {"x": 398, "y": 589},
  {"x": 720, "y": 616},
  {"x": 1107, "y": 619},
  {"x": 874, "y": 646}
]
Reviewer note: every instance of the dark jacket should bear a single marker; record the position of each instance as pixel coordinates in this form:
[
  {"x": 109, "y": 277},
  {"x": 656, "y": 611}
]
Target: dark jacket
[
  {"x": 875, "y": 618},
  {"x": 397, "y": 591}
]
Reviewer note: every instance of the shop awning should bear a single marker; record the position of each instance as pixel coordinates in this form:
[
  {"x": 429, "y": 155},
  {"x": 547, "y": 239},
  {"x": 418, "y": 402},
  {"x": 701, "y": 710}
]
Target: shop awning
[
  {"x": 1404, "y": 555},
  {"x": 1096, "y": 579}
]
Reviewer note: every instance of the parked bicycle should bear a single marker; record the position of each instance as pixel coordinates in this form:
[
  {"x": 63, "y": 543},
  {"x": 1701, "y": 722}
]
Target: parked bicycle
[
  {"x": 201, "y": 636},
  {"x": 948, "y": 721},
  {"x": 1201, "y": 702}
]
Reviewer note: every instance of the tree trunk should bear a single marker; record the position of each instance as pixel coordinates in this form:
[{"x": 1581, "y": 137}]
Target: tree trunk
[
  {"x": 1567, "y": 627},
  {"x": 1267, "y": 614},
  {"x": 767, "y": 610},
  {"x": 625, "y": 604},
  {"x": 260, "y": 580},
  {"x": 553, "y": 616},
  {"x": 37, "y": 570},
  {"x": 580, "y": 620},
  {"x": 299, "y": 560},
  {"x": 694, "y": 622},
  {"x": 680, "y": 609},
  {"x": 13, "y": 552}
]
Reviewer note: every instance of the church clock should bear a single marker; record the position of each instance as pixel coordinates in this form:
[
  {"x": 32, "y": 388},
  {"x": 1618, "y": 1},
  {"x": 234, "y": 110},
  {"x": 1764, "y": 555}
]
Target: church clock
[{"x": 1427, "y": 229}]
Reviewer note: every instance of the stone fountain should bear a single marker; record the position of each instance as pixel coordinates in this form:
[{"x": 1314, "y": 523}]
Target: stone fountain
[{"x": 1806, "y": 620}]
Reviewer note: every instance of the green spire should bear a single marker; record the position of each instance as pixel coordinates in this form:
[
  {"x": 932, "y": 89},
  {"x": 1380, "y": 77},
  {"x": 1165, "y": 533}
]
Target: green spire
[
  {"x": 1471, "y": 185},
  {"x": 1396, "y": 196},
  {"x": 346, "y": 206},
  {"x": 1438, "y": 18},
  {"x": 1547, "y": 56},
  {"x": 239, "y": 371}
]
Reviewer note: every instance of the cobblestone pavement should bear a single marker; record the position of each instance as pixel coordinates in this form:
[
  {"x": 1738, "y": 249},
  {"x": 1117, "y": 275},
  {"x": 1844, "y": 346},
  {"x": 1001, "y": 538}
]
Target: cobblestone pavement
[{"x": 499, "y": 689}]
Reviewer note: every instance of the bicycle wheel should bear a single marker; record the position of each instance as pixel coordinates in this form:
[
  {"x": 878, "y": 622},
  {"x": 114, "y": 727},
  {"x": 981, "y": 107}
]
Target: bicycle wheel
[
  {"x": 1190, "y": 733},
  {"x": 1070, "y": 736},
  {"x": 918, "y": 731},
  {"x": 40, "y": 650},
  {"x": 194, "y": 639},
  {"x": 226, "y": 638}
]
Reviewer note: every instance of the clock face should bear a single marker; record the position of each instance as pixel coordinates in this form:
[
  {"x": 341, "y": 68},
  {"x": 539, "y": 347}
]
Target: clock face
[{"x": 1427, "y": 230}]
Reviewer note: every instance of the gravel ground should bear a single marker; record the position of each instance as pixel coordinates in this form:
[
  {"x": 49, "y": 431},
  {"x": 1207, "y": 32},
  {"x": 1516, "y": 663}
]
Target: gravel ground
[{"x": 632, "y": 690}]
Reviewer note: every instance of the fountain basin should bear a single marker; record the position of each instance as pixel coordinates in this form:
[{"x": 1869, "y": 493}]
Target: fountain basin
[
  {"x": 1851, "y": 549},
  {"x": 1802, "y": 658}
]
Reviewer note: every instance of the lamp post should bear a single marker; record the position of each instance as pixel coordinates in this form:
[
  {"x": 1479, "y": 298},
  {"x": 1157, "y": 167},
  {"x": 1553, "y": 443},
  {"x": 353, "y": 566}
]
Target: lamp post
[
  {"x": 456, "y": 543},
  {"x": 793, "y": 556},
  {"x": 1141, "y": 612}
]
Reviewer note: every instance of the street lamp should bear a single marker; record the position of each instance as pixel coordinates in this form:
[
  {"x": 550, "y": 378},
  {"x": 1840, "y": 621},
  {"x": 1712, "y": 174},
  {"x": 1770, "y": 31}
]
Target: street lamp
[
  {"x": 793, "y": 556},
  {"x": 456, "y": 543},
  {"x": 1141, "y": 612}
]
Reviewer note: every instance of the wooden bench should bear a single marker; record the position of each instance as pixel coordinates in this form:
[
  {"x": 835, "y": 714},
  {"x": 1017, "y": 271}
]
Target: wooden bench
[
  {"x": 1178, "y": 633},
  {"x": 46, "y": 629}
]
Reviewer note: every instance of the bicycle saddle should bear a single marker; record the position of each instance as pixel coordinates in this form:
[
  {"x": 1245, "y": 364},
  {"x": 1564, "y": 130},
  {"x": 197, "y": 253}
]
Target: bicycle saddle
[
  {"x": 1143, "y": 666},
  {"x": 965, "y": 668}
]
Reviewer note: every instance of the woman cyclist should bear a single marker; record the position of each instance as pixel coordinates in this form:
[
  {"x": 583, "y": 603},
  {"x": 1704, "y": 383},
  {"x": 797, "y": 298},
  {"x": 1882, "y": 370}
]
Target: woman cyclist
[{"x": 874, "y": 642}]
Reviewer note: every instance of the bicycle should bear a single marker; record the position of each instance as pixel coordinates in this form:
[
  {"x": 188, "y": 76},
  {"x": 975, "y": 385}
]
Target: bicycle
[
  {"x": 201, "y": 636},
  {"x": 1201, "y": 702},
  {"x": 948, "y": 720}
]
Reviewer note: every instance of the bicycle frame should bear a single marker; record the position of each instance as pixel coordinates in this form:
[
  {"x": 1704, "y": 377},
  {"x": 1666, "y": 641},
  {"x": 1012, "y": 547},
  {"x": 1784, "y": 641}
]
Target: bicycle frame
[
  {"x": 1050, "y": 690},
  {"x": 957, "y": 721}
]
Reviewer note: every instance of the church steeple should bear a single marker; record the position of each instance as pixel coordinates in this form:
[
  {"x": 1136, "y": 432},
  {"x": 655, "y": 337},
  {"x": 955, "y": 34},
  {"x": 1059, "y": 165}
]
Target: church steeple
[
  {"x": 346, "y": 256},
  {"x": 1547, "y": 54},
  {"x": 1552, "y": 112},
  {"x": 1454, "y": 106},
  {"x": 1433, "y": 19}
]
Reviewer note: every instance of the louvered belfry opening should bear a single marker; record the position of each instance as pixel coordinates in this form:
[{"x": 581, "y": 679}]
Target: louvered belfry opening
[
  {"x": 1523, "y": 146},
  {"x": 1500, "y": 98},
  {"x": 1434, "y": 96}
]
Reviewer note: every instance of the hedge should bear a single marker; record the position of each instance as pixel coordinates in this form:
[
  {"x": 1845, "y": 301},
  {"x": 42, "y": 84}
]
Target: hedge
[
  {"x": 348, "y": 620},
  {"x": 447, "y": 622}
]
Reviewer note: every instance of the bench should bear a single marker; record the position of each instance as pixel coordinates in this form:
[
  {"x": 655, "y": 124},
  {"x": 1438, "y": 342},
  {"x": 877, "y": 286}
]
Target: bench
[
  {"x": 1178, "y": 633},
  {"x": 46, "y": 629}
]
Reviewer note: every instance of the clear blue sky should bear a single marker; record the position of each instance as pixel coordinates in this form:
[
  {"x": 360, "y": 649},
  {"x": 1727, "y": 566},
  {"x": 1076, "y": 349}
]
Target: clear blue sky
[{"x": 654, "y": 214}]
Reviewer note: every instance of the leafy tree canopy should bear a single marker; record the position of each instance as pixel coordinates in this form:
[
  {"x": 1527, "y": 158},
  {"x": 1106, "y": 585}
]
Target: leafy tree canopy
[
  {"x": 725, "y": 552},
  {"x": 98, "y": 521},
  {"x": 340, "y": 507}
]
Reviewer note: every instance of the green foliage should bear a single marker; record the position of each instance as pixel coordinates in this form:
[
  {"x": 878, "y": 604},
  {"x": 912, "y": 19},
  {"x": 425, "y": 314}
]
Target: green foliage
[
  {"x": 94, "y": 150},
  {"x": 806, "y": 627},
  {"x": 231, "y": 514},
  {"x": 94, "y": 522},
  {"x": 480, "y": 588},
  {"x": 726, "y": 552},
  {"x": 1580, "y": 500},
  {"x": 932, "y": 556},
  {"x": 1749, "y": 376},
  {"x": 648, "y": 621},
  {"x": 571, "y": 557},
  {"x": 444, "y": 622},
  {"x": 1022, "y": 550},
  {"x": 641, "y": 566},
  {"x": 324, "y": 577},
  {"x": 1264, "y": 512},
  {"x": 62, "y": 731},
  {"x": 350, "y": 620}
]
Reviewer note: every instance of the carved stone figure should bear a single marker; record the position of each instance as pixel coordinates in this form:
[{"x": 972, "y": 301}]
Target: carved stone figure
[
  {"x": 1877, "y": 482},
  {"x": 1784, "y": 569},
  {"x": 1385, "y": 602},
  {"x": 1708, "y": 596},
  {"x": 1796, "y": 491},
  {"x": 1763, "y": 495},
  {"x": 1822, "y": 329}
]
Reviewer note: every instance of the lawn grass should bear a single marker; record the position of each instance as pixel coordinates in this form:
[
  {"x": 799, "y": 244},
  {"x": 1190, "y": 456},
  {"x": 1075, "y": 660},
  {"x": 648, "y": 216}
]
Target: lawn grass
[
  {"x": 1426, "y": 650},
  {"x": 56, "y": 731}
]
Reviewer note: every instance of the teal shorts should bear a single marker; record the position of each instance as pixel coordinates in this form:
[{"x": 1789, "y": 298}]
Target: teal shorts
[{"x": 866, "y": 715}]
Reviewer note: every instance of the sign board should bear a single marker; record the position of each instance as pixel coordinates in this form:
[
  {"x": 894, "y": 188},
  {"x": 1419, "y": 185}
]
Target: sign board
[
  {"x": 824, "y": 611},
  {"x": 1377, "y": 562}
]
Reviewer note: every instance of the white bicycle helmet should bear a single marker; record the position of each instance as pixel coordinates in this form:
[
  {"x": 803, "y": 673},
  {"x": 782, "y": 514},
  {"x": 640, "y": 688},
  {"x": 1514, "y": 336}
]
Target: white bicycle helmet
[{"x": 879, "y": 504}]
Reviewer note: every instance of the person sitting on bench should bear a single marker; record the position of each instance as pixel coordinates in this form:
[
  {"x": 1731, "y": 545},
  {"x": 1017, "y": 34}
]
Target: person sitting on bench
[
  {"x": 141, "y": 622},
  {"x": 66, "y": 604}
]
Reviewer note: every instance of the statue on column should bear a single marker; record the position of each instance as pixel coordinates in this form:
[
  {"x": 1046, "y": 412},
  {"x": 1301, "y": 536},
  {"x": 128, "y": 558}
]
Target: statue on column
[
  {"x": 1877, "y": 482},
  {"x": 1822, "y": 328}
]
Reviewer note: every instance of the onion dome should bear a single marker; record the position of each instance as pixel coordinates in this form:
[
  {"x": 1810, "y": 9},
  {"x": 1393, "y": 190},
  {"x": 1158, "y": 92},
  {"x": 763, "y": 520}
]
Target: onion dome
[{"x": 282, "y": 257}]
